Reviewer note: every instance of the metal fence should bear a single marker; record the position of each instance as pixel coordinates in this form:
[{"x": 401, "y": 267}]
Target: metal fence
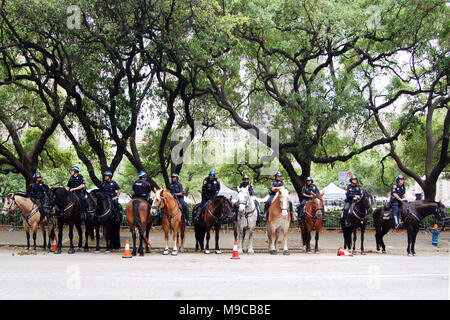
[{"x": 14, "y": 220}]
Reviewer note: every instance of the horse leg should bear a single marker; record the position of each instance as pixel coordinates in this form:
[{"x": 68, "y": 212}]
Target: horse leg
[
  {"x": 60, "y": 235},
  {"x": 27, "y": 232},
  {"x": 316, "y": 246},
  {"x": 147, "y": 233},
  {"x": 182, "y": 229},
  {"x": 166, "y": 238},
  {"x": 377, "y": 239},
  {"x": 97, "y": 238},
  {"x": 363, "y": 227},
  {"x": 44, "y": 235},
  {"x": 354, "y": 241},
  {"x": 285, "y": 238},
  {"x": 175, "y": 238},
  {"x": 34, "y": 239},
  {"x": 208, "y": 236},
  {"x": 217, "y": 229},
  {"x": 241, "y": 240},
  {"x": 414, "y": 235},
  {"x": 133, "y": 236},
  {"x": 141, "y": 248},
  {"x": 71, "y": 248},
  {"x": 250, "y": 241}
]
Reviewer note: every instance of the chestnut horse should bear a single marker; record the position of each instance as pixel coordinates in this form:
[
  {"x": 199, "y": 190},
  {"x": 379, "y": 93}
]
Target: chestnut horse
[
  {"x": 31, "y": 217},
  {"x": 314, "y": 212},
  {"x": 279, "y": 221},
  {"x": 171, "y": 219},
  {"x": 216, "y": 212},
  {"x": 413, "y": 213},
  {"x": 138, "y": 216}
]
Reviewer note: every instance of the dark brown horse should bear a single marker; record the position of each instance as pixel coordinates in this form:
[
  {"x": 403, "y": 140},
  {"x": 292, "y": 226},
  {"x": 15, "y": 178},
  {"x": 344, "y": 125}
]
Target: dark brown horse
[
  {"x": 314, "y": 212},
  {"x": 138, "y": 216},
  {"x": 171, "y": 219},
  {"x": 68, "y": 211},
  {"x": 413, "y": 213},
  {"x": 358, "y": 217},
  {"x": 216, "y": 212}
]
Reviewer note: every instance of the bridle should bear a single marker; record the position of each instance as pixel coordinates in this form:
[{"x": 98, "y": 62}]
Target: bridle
[
  {"x": 168, "y": 216},
  {"x": 92, "y": 212},
  {"x": 315, "y": 209},
  {"x": 357, "y": 213},
  {"x": 247, "y": 202},
  {"x": 13, "y": 203}
]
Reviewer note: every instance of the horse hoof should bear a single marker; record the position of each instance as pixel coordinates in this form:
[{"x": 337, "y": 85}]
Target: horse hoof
[
  {"x": 108, "y": 251},
  {"x": 71, "y": 251},
  {"x": 363, "y": 253},
  {"x": 251, "y": 252},
  {"x": 384, "y": 251},
  {"x": 165, "y": 252},
  {"x": 57, "y": 251},
  {"x": 273, "y": 252},
  {"x": 317, "y": 251},
  {"x": 218, "y": 252},
  {"x": 207, "y": 251},
  {"x": 141, "y": 254},
  {"x": 98, "y": 251},
  {"x": 86, "y": 249},
  {"x": 308, "y": 251},
  {"x": 174, "y": 252},
  {"x": 286, "y": 252},
  {"x": 79, "y": 249}
]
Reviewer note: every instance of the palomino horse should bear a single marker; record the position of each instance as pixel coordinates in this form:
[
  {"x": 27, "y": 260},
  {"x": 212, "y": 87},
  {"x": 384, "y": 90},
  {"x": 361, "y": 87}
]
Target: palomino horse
[
  {"x": 31, "y": 217},
  {"x": 247, "y": 217},
  {"x": 138, "y": 216},
  {"x": 68, "y": 211},
  {"x": 100, "y": 212},
  {"x": 279, "y": 221},
  {"x": 216, "y": 212},
  {"x": 171, "y": 218},
  {"x": 358, "y": 216},
  {"x": 314, "y": 212},
  {"x": 413, "y": 213}
]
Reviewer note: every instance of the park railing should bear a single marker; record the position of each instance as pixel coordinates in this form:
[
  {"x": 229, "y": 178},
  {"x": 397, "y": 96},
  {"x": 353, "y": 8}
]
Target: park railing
[{"x": 14, "y": 220}]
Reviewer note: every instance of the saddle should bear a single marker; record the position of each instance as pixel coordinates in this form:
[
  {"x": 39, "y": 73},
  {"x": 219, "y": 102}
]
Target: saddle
[{"x": 402, "y": 211}]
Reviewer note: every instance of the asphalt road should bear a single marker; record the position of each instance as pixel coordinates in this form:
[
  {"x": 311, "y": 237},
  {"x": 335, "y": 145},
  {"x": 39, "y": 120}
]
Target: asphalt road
[{"x": 199, "y": 276}]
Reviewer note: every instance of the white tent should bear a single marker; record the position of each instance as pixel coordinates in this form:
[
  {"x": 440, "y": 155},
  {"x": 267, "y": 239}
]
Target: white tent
[
  {"x": 123, "y": 198},
  {"x": 227, "y": 192},
  {"x": 333, "y": 192}
]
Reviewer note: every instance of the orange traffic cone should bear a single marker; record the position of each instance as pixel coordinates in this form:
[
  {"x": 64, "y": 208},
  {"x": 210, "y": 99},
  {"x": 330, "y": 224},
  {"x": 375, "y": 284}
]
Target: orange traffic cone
[
  {"x": 342, "y": 252},
  {"x": 235, "y": 252},
  {"x": 127, "y": 252},
  {"x": 54, "y": 245}
]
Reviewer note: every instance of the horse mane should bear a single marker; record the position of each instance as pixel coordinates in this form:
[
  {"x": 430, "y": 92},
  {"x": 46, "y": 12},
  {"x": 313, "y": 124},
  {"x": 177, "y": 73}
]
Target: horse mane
[{"x": 21, "y": 194}]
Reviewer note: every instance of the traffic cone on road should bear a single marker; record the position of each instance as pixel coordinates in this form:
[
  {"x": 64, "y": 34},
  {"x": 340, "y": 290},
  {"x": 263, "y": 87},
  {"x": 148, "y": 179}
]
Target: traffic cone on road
[
  {"x": 235, "y": 252},
  {"x": 342, "y": 252},
  {"x": 54, "y": 245},
  {"x": 127, "y": 252}
]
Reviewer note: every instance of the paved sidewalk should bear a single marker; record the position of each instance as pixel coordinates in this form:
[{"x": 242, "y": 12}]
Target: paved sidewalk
[{"x": 329, "y": 241}]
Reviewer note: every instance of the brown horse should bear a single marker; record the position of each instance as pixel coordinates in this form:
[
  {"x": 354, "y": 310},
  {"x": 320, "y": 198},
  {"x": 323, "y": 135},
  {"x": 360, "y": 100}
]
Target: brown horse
[
  {"x": 413, "y": 213},
  {"x": 279, "y": 221},
  {"x": 171, "y": 219},
  {"x": 31, "y": 218},
  {"x": 314, "y": 212},
  {"x": 216, "y": 212},
  {"x": 138, "y": 216}
]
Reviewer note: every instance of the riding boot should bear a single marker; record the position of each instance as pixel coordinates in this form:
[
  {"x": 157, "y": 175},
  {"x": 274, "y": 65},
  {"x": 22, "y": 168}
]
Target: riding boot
[{"x": 266, "y": 212}]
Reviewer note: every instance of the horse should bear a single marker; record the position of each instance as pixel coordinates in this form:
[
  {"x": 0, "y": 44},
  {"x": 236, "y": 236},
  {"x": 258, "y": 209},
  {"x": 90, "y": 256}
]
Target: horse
[
  {"x": 278, "y": 221},
  {"x": 312, "y": 220},
  {"x": 216, "y": 212},
  {"x": 68, "y": 211},
  {"x": 138, "y": 216},
  {"x": 413, "y": 213},
  {"x": 100, "y": 212},
  {"x": 247, "y": 218},
  {"x": 171, "y": 219},
  {"x": 31, "y": 217},
  {"x": 358, "y": 217}
]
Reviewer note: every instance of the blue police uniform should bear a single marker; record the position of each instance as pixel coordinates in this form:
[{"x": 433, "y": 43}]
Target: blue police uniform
[
  {"x": 251, "y": 192},
  {"x": 210, "y": 189},
  {"x": 275, "y": 184},
  {"x": 177, "y": 187},
  {"x": 36, "y": 192},
  {"x": 308, "y": 190},
  {"x": 394, "y": 203},
  {"x": 350, "y": 193},
  {"x": 142, "y": 189},
  {"x": 109, "y": 189},
  {"x": 75, "y": 182}
]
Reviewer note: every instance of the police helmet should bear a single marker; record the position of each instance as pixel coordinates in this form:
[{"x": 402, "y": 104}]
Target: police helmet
[
  {"x": 245, "y": 176},
  {"x": 142, "y": 174}
]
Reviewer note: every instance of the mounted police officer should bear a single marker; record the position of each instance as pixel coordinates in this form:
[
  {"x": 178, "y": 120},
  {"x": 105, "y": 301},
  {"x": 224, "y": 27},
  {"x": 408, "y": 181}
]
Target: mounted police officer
[
  {"x": 210, "y": 189},
  {"x": 176, "y": 189},
  {"x": 142, "y": 188},
  {"x": 245, "y": 183},
  {"x": 275, "y": 186},
  {"x": 111, "y": 189},
  {"x": 307, "y": 193},
  {"x": 36, "y": 192},
  {"x": 352, "y": 193},
  {"x": 77, "y": 185},
  {"x": 398, "y": 196}
]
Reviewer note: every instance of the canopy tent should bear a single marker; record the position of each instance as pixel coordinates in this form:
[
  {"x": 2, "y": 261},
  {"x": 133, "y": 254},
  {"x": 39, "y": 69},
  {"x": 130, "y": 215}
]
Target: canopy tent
[
  {"x": 333, "y": 192},
  {"x": 227, "y": 192},
  {"x": 123, "y": 197}
]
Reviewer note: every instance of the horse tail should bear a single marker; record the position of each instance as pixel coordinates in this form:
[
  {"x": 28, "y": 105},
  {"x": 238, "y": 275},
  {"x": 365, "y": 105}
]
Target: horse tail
[{"x": 137, "y": 219}]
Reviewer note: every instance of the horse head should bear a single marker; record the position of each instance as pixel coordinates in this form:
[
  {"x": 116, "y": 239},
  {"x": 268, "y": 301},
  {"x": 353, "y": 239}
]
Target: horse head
[
  {"x": 317, "y": 205},
  {"x": 159, "y": 201},
  {"x": 227, "y": 210},
  {"x": 243, "y": 199},
  {"x": 441, "y": 212},
  {"x": 10, "y": 204},
  {"x": 284, "y": 201}
]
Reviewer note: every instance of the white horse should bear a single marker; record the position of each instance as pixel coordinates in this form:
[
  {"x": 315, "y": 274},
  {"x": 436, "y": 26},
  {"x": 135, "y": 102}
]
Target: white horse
[{"x": 247, "y": 218}]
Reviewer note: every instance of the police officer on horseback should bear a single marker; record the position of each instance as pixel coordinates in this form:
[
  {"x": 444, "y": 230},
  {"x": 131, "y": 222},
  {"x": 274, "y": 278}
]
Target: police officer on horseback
[
  {"x": 176, "y": 189},
  {"x": 112, "y": 190},
  {"x": 77, "y": 185},
  {"x": 244, "y": 184},
  {"x": 352, "y": 193},
  {"x": 307, "y": 193},
  {"x": 210, "y": 189},
  {"x": 36, "y": 192},
  {"x": 141, "y": 188},
  {"x": 275, "y": 186},
  {"x": 398, "y": 196}
]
